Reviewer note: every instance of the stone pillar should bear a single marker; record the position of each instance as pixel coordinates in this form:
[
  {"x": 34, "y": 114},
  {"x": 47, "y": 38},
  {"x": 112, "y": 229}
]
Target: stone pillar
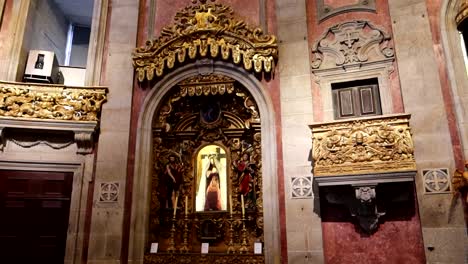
[
  {"x": 111, "y": 165},
  {"x": 442, "y": 225},
  {"x": 304, "y": 234}
]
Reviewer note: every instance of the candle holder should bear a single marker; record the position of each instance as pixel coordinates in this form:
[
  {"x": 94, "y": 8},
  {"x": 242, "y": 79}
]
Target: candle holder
[
  {"x": 231, "y": 248},
  {"x": 184, "y": 248},
  {"x": 171, "y": 247},
  {"x": 244, "y": 245}
]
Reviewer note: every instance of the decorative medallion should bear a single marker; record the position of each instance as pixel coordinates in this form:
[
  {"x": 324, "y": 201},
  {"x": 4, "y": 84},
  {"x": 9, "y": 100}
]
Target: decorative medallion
[
  {"x": 301, "y": 187},
  {"x": 436, "y": 181},
  {"x": 371, "y": 145},
  {"x": 206, "y": 30},
  {"x": 109, "y": 192},
  {"x": 349, "y": 43}
]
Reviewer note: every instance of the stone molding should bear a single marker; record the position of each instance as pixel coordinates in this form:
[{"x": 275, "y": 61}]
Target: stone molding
[
  {"x": 324, "y": 12},
  {"x": 351, "y": 44},
  {"x": 83, "y": 131}
]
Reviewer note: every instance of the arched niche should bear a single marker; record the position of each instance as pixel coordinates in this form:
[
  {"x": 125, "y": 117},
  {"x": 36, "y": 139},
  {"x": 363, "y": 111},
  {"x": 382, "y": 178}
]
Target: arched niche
[
  {"x": 456, "y": 66},
  {"x": 139, "y": 238}
]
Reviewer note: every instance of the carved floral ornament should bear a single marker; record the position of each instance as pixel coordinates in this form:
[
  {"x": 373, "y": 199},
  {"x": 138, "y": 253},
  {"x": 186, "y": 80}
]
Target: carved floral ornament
[
  {"x": 376, "y": 145},
  {"x": 51, "y": 102},
  {"x": 206, "y": 30},
  {"x": 351, "y": 43},
  {"x": 36, "y": 107}
]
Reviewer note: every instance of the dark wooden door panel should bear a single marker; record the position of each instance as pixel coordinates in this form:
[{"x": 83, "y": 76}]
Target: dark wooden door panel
[
  {"x": 34, "y": 210},
  {"x": 356, "y": 101}
]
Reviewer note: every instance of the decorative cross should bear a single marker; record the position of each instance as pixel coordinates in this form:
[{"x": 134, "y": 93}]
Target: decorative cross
[
  {"x": 438, "y": 182},
  {"x": 349, "y": 37},
  {"x": 219, "y": 155},
  {"x": 301, "y": 186},
  {"x": 109, "y": 192}
]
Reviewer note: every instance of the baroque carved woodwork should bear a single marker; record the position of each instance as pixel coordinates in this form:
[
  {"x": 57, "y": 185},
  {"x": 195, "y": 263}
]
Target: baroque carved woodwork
[
  {"x": 462, "y": 12},
  {"x": 325, "y": 11},
  {"x": 35, "y": 108},
  {"x": 351, "y": 43},
  {"x": 371, "y": 145},
  {"x": 460, "y": 182},
  {"x": 206, "y": 30},
  {"x": 204, "y": 259},
  {"x": 55, "y": 102},
  {"x": 207, "y": 180}
]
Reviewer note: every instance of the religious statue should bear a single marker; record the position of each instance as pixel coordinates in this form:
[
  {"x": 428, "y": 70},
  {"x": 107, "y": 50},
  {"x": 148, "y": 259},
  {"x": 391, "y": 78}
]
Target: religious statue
[
  {"x": 246, "y": 176},
  {"x": 213, "y": 192},
  {"x": 173, "y": 179},
  {"x": 211, "y": 186}
]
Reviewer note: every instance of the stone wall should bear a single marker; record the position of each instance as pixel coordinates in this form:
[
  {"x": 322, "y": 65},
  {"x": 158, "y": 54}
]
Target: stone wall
[
  {"x": 422, "y": 95},
  {"x": 105, "y": 240},
  {"x": 46, "y": 29},
  {"x": 304, "y": 234}
]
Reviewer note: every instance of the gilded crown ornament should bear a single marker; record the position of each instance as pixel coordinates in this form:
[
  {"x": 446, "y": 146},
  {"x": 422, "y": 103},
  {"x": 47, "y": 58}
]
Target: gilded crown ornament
[{"x": 206, "y": 30}]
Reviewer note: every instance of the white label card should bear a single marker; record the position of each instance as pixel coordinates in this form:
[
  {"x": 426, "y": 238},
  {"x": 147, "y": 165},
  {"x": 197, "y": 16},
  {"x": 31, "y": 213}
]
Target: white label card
[
  {"x": 154, "y": 248},
  {"x": 204, "y": 248},
  {"x": 257, "y": 248}
]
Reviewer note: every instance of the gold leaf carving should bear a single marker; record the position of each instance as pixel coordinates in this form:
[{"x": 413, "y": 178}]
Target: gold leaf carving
[
  {"x": 462, "y": 12},
  {"x": 203, "y": 259},
  {"x": 206, "y": 85},
  {"x": 206, "y": 30},
  {"x": 56, "y": 102},
  {"x": 375, "y": 145}
]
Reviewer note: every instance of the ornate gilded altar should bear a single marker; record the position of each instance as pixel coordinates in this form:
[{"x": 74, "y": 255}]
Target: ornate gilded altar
[{"x": 207, "y": 179}]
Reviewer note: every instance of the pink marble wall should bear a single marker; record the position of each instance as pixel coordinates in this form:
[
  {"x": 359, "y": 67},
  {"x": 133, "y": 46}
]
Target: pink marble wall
[
  {"x": 316, "y": 29},
  {"x": 340, "y": 3},
  {"x": 397, "y": 240},
  {"x": 433, "y": 10}
]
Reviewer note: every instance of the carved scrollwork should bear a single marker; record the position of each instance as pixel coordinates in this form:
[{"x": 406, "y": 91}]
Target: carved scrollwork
[
  {"x": 354, "y": 42},
  {"x": 381, "y": 144},
  {"x": 51, "y": 102},
  {"x": 206, "y": 30},
  {"x": 462, "y": 13}
]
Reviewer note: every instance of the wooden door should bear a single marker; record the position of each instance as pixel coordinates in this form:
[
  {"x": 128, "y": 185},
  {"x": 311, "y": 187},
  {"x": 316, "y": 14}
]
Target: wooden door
[
  {"x": 34, "y": 210},
  {"x": 356, "y": 99}
]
